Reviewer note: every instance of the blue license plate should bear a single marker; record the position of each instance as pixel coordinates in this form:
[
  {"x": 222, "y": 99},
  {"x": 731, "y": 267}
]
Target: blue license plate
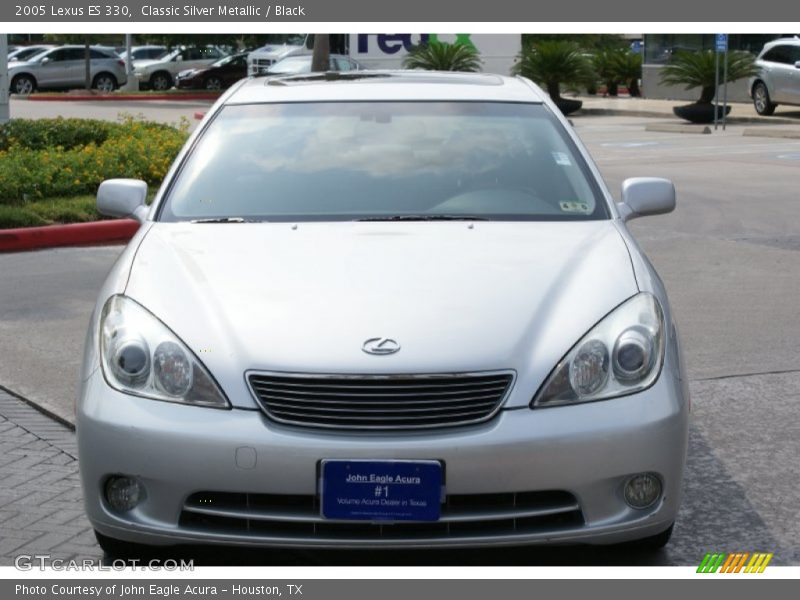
[{"x": 367, "y": 490}]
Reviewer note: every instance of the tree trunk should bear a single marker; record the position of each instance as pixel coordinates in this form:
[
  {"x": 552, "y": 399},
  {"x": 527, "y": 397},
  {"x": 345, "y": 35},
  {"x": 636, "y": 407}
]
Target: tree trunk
[
  {"x": 87, "y": 57},
  {"x": 320, "y": 60},
  {"x": 612, "y": 88},
  {"x": 554, "y": 90},
  {"x": 707, "y": 96}
]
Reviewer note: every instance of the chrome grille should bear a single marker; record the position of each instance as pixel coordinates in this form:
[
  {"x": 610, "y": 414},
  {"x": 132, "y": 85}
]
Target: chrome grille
[
  {"x": 382, "y": 402},
  {"x": 297, "y": 517}
]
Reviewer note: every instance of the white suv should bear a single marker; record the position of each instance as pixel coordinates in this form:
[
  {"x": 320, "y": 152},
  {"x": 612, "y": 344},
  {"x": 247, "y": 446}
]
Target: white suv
[{"x": 778, "y": 79}]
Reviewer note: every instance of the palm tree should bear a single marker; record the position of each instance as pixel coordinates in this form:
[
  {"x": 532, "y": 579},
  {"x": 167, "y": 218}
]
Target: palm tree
[
  {"x": 698, "y": 69},
  {"x": 628, "y": 68},
  {"x": 604, "y": 64},
  {"x": 553, "y": 62},
  {"x": 441, "y": 56}
]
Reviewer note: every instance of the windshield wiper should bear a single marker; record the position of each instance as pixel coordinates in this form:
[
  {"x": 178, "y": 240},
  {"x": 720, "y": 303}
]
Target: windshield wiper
[
  {"x": 426, "y": 218},
  {"x": 225, "y": 220}
]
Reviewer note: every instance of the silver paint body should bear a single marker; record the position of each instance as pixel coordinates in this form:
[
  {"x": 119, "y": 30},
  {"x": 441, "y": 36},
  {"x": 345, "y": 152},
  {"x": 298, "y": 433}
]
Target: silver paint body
[
  {"x": 458, "y": 297},
  {"x": 782, "y": 79}
]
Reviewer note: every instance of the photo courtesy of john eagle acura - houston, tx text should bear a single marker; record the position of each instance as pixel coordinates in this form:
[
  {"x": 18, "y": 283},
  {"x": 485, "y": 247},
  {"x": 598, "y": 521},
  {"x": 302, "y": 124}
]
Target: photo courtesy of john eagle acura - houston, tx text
[{"x": 382, "y": 309}]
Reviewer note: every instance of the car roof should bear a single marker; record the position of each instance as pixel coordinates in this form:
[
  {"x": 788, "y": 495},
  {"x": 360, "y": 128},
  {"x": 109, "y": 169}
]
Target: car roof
[
  {"x": 791, "y": 41},
  {"x": 384, "y": 85}
]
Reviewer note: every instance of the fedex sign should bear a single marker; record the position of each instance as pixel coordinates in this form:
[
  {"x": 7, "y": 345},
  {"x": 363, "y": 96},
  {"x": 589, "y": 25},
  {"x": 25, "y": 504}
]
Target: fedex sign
[
  {"x": 498, "y": 51},
  {"x": 395, "y": 42}
]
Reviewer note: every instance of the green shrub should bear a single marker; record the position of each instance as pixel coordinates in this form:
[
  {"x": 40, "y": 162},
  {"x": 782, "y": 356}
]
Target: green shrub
[
  {"x": 48, "y": 133},
  {"x": 441, "y": 56},
  {"x": 132, "y": 148}
]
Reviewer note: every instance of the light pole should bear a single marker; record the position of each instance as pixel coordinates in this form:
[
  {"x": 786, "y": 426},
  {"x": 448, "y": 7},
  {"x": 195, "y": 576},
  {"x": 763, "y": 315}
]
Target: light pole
[
  {"x": 132, "y": 84},
  {"x": 4, "y": 83}
]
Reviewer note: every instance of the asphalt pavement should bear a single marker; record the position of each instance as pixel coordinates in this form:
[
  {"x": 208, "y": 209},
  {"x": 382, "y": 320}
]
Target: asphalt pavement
[{"x": 730, "y": 258}]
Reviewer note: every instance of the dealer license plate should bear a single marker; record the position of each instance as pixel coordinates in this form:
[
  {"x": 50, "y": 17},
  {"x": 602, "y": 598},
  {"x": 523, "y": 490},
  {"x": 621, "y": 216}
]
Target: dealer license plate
[{"x": 380, "y": 490}]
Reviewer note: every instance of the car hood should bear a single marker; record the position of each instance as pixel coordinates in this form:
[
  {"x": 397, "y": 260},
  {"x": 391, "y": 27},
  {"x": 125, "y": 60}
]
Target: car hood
[
  {"x": 22, "y": 64},
  {"x": 456, "y": 296}
]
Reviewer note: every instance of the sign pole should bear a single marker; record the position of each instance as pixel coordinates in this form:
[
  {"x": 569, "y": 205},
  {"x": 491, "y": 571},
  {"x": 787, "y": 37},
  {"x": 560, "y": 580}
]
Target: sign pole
[
  {"x": 725, "y": 91},
  {"x": 716, "y": 88}
]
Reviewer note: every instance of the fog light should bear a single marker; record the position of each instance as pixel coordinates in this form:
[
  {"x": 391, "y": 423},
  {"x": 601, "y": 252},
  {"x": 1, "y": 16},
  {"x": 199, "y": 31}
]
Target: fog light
[
  {"x": 123, "y": 493},
  {"x": 642, "y": 491}
]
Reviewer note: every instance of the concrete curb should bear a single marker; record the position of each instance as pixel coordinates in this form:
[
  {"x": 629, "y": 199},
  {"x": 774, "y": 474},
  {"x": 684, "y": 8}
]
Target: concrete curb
[
  {"x": 678, "y": 128},
  {"x": 76, "y": 234},
  {"x": 207, "y": 97},
  {"x": 772, "y": 133},
  {"x": 615, "y": 112}
]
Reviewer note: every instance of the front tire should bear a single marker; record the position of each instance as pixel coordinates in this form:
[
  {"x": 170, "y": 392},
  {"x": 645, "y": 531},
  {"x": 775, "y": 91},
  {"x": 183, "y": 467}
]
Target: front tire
[
  {"x": 761, "y": 101},
  {"x": 105, "y": 82},
  {"x": 161, "y": 81},
  {"x": 23, "y": 84}
]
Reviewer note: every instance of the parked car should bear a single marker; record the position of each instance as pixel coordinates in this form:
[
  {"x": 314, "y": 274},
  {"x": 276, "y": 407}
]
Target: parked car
[
  {"x": 294, "y": 65},
  {"x": 220, "y": 75},
  {"x": 159, "y": 74},
  {"x": 144, "y": 52},
  {"x": 778, "y": 79},
  {"x": 280, "y": 46},
  {"x": 382, "y": 309},
  {"x": 24, "y": 53},
  {"x": 65, "y": 67}
]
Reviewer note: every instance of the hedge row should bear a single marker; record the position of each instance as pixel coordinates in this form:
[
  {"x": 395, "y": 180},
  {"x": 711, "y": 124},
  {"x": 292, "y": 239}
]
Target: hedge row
[{"x": 69, "y": 157}]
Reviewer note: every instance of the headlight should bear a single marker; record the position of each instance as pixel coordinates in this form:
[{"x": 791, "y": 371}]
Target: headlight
[
  {"x": 141, "y": 356},
  {"x": 620, "y": 355}
]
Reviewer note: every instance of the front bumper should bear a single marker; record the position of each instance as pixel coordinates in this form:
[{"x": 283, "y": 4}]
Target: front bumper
[{"x": 587, "y": 451}]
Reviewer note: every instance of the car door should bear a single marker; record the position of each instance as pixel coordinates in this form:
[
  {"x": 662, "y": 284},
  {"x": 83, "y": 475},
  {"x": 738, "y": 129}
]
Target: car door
[
  {"x": 61, "y": 67},
  {"x": 793, "y": 87},
  {"x": 235, "y": 70},
  {"x": 780, "y": 72}
]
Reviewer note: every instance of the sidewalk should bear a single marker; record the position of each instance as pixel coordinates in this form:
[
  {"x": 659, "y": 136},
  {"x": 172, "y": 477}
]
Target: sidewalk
[
  {"x": 41, "y": 508},
  {"x": 625, "y": 106}
]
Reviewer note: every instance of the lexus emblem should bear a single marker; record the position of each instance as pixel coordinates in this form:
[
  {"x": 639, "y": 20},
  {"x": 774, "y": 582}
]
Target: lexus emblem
[{"x": 380, "y": 346}]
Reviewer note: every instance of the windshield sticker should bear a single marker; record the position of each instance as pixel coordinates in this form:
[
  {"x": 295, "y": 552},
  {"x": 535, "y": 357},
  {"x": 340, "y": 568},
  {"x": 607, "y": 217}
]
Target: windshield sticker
[
  {"x": 561, "y": 158},
  {"x": 574, "y": 207}
]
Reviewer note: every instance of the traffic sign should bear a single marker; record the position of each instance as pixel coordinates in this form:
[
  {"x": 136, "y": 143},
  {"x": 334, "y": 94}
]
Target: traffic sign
[{"x": 721, "y": 42}]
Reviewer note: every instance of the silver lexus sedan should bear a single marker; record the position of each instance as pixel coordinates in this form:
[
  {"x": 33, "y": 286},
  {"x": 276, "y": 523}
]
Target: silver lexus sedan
[{"x": 383, "y": 309}]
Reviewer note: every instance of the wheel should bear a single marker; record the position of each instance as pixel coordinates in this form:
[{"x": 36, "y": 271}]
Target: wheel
[
  {"x": 161, "y": 81},
  {"x": 23, "y": 84},
  {"x": 105, "y": 82},
  {"x": 123, "y": 550},
  {"x": 213, "y": 83},
  {"x": 763, "y": 105}
]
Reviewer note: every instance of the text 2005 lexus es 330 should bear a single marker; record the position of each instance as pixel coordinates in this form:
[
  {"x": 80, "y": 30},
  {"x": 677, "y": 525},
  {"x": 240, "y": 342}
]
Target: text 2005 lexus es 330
[{"x": 388, "y": 309}]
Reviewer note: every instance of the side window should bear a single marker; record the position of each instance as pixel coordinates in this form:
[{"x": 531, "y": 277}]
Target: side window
[
  {"x": 211, "y": 53},
  {"x": 192, "y": 54},
  {"x": 57, "y": 55},
  {"x": 75, "y": 54},
  {"x": 794, "y": 54},
  {"x": 779, "y": 54},
  {"x": 96, "y": 54}
]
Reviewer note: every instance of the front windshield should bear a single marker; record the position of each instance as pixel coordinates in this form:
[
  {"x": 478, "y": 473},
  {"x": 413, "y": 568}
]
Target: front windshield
[{"x": 362, "y": 160}]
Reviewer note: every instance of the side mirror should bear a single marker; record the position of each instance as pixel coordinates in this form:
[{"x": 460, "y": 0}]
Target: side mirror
[
  {"x": 642, "y": 196},
  {"x": 45, "y": 60},
  {"x": 123, "y": 198}
]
